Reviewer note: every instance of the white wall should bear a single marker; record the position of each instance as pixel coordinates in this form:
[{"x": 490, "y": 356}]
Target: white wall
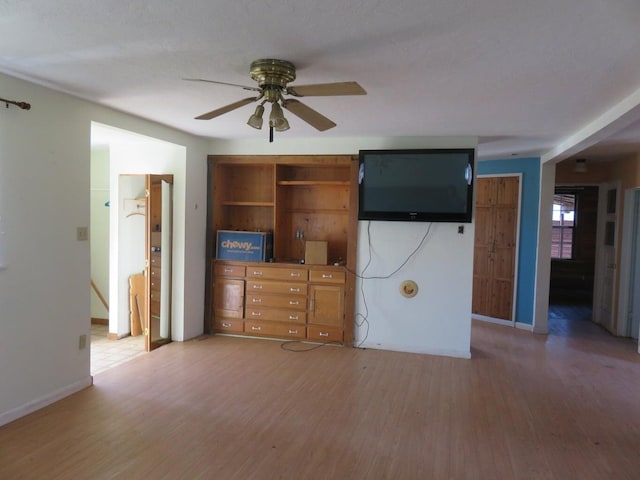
[
  {"x": 44, "y": 195},
  {"x": 438, "y": 319},
  {"x": 130, "y": 245},
  {"x": 99, "y": 229}
]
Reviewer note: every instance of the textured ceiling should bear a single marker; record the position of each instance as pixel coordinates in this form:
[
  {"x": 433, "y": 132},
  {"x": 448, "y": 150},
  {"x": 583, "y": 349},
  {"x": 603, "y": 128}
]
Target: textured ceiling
[{"x": 522, "y": 76}]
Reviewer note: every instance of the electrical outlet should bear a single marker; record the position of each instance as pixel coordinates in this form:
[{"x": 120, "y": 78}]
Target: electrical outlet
[
  {"x": 82, "y": 342},
  {"x": 82, "y": 234}
]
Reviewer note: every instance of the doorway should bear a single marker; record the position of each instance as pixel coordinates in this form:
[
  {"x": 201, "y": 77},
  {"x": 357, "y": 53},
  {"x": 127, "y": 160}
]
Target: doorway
[
  {"x": 124, "y": 154},
  {"x": 573, "y": 256}
]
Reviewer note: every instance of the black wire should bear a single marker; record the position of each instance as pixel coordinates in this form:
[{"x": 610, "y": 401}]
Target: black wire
[{"x": 284, "y": 346}]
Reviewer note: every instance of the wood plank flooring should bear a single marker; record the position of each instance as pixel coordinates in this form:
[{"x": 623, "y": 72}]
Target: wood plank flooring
[{"x": 524, "y": 407}]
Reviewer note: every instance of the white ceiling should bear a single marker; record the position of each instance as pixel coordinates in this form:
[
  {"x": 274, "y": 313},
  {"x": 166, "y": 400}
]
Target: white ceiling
[{"x": 525, "y": 77}]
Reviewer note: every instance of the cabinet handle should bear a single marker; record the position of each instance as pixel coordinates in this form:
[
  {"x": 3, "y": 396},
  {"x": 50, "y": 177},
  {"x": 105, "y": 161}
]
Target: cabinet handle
[
  {"x": 258, "y": 287},
  {"x": 257, "y": 273},
  {"x": 295, "y": 274},
  {"x": 293, "y": 331},
  {"x": 323, "y": 334},
  {"x": 293, "y": 317},
  {"x": 327, "y": 275},
  {"x": 294, "y": 289},
  {"x": 228, "y": 270},
  {"x": 256, "y": 329},
  {"x": 256, "y": 300},
  {"x": 294, "y": 302},
  {"x": 226, "y": 325},
  {"x": 256, "y": 314}
]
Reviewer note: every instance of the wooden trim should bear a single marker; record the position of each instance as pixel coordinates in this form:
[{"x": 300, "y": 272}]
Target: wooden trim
[
  {"x": 99, "y": 321},
  {"x": 112, "y": 336}
]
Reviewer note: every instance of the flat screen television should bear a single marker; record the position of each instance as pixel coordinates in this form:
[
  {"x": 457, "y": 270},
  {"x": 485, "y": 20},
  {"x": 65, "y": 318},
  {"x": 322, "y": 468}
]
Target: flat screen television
[{"x": 428, "y": 185}]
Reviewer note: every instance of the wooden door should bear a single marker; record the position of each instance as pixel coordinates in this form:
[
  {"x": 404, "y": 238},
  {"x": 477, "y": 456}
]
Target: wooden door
[
  {"x": 159, "y": 217},
  {"x": 494, "y": 263},
  {"x": 326, "y": 305},
  {"x": 606, "y": 267}
]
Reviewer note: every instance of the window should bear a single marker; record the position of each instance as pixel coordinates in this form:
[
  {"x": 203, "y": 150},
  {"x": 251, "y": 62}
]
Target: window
[{"x": 564, "y": 214}]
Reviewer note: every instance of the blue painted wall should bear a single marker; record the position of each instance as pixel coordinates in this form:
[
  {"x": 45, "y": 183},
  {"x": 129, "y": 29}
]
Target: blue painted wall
[{"x": 526, "y": 275}]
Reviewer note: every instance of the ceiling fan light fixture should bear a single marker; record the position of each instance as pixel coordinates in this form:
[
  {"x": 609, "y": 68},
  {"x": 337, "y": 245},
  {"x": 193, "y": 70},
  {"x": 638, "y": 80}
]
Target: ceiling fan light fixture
[
  {"x": 276, "y": 118},
  {"x": 256, "y": 119}
]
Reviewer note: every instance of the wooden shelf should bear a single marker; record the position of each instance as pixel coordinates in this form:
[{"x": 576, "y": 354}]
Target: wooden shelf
[
  {"x": 323, "y": 183},
  {"x": 326, "y": 211},
  {"x": 229, "y": 203}
]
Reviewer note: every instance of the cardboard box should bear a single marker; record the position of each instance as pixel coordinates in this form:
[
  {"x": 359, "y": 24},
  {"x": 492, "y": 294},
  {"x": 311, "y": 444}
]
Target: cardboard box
[
  {"x": 315, "y": 252},
  {"x": 244, "y": 246}
]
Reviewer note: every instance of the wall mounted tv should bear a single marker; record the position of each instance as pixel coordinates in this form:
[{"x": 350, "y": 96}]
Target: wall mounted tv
[{"x": 433, "y": 185}]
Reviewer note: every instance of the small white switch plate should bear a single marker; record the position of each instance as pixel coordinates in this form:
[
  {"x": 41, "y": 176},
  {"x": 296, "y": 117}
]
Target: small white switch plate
[{"x": 82, "y": 234}]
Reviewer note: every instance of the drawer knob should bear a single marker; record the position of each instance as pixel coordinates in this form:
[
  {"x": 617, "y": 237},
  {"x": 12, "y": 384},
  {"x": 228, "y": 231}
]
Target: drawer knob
[
  {"x": 258, "y": 287},
  {"x": 294, "y": 289},
  {"x": 256, "y": 314},
  {"x": 295, "y": 274},
  {"x": 293, "y": 331},
  {"x": 226, "y": 325},
  {"x": 256, "y": 300},
  {"x": 257, "y": 273},
  {"x": 323, "y": 334},
  {"x": 228, "y": 270},
  {"x": 294, "y": 302},
  {"x": 293, "y": 317},
  {"x": 327, "y": 275},
  {"x": 256, "y": 329}
]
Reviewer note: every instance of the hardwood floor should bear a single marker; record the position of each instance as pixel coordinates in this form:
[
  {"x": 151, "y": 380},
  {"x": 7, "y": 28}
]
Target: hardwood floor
[{"x": 524, "y": 407}]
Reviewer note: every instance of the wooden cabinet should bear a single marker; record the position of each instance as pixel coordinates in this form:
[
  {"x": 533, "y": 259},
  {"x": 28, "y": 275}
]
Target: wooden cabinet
[
  {"x": 297, "y": 198},
  {"x": 278, "y": 300}
]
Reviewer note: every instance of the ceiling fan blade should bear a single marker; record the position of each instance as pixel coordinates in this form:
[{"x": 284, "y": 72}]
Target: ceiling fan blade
[
  {"x": 326, "y": 89},
  {"x": 308, "y": 114},
  {"x": 227, "y": 108},
  {"x": 255, "y": 89}
]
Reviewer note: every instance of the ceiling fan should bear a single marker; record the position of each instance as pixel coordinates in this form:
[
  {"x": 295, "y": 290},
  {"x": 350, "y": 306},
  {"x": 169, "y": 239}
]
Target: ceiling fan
[{"x": 273, "y": 77}]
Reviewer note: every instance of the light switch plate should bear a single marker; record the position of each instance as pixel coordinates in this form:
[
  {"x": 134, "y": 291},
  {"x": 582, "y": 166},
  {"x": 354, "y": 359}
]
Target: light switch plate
[{"x": 82, "y": 234}]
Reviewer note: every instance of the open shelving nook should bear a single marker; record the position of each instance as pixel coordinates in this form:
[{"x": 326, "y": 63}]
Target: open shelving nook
[{"x": 298, "y": 198}]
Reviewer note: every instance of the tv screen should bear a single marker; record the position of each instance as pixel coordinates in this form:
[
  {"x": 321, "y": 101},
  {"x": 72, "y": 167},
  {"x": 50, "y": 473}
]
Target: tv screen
[{"x": 434, "y": 185}]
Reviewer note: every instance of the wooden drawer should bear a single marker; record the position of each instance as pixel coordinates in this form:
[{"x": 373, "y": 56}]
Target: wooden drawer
[
  {"x": 228, "y": 325},
  {"x": 273, "y": 273},
  {"x": 276, "y": 301},
  {"x": 229, "y": 270},
  {"x": 281, "y": 330},
  {"x": 326, "y": 276},
  {"x": 319, "y": 333},
  {"x": 259, "y": 286},
  {"x": 275, "y": 314}
]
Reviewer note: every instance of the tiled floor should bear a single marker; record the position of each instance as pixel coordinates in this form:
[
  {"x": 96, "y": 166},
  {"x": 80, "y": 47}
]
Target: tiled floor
[{"x": 107, "y": 353}]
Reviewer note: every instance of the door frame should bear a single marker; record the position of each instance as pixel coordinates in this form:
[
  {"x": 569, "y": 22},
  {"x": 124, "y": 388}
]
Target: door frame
[
  {"x": 514, "y": 301},
  {"x": 628, "y": 276}
]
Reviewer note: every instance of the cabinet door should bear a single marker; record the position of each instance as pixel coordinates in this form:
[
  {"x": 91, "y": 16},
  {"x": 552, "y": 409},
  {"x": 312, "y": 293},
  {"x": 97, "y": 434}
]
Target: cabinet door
[
  {"x": 228, "y": 298},
  {"x": 326, "y": 305}
]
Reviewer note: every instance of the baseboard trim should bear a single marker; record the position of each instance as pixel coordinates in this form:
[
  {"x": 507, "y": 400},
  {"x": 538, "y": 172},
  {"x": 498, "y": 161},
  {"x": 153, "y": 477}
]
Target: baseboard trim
[
  {"x": 507, "y": 323},
  {"x": 42, "y": 402},
  {"x": 422, "y": 351},
  {"x": 99, "y": 321},
  {"x": 524, "y": 326},
  {"x": 497, "y": 321}
]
